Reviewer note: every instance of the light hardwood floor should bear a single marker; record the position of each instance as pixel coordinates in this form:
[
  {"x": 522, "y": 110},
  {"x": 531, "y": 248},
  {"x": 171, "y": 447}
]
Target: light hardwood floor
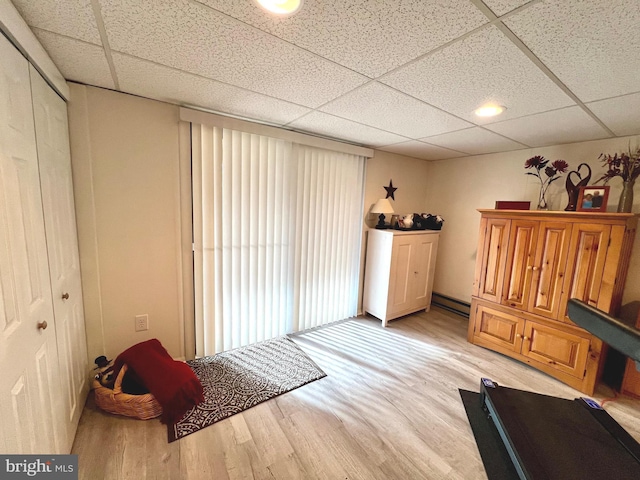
[{"x": 388, "y": 409}]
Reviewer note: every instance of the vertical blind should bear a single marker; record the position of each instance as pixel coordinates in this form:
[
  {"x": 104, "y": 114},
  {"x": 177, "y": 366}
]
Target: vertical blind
[{"x": 277, "y": 229}]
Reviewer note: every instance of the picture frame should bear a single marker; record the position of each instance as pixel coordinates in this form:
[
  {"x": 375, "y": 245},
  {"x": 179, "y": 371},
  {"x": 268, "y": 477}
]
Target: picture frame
[{"x": 593, "y": 198}]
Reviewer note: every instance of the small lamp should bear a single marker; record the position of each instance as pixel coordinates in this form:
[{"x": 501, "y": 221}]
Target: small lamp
[{"x": 382, "y": 206}]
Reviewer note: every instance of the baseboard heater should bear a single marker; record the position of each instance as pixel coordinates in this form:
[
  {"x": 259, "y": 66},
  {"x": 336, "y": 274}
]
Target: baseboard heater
[{"x": 451, "y": 304}]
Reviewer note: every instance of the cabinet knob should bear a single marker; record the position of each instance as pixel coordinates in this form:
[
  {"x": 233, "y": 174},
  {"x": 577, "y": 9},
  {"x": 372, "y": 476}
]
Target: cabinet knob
[
  {"x": 535, "y": 269},
  {"x": 42, "y": 325},
  {"x": 525, "y": 338},
  {"x": 518, "y": 335},
  {"x": 65, "y": 296},
  {"x": 529, "y": 267}
]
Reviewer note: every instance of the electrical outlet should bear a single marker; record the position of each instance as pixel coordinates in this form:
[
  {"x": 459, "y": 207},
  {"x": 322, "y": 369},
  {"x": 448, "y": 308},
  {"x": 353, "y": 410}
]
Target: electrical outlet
[{"x": 142, "y": 322}]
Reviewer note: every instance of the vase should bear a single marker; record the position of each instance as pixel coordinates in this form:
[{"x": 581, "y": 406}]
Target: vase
[
  {"x": 542, "y": 201},
  {"x": 626, "y": 197}
]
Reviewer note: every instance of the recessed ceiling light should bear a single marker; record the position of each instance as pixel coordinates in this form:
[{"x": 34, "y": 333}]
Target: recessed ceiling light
[
  {"x": 281, "y": 7},
  {"x": 489, "y": 110}
]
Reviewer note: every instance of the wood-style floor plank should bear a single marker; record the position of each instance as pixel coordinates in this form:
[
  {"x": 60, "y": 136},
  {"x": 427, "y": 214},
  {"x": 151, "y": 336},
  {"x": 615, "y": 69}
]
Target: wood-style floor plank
[{"x": 389, "y": 408}]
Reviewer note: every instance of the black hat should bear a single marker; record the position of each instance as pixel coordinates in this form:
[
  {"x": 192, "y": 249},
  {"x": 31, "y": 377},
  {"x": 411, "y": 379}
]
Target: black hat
[{"x": 102, "y": 361}]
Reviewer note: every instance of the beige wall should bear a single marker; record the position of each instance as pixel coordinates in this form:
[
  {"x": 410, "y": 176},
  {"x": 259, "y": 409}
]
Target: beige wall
[
  {"x": 409, "y": 176},
  {"x": 125, "y": 154},
  {"x": 456, "y": 188}
]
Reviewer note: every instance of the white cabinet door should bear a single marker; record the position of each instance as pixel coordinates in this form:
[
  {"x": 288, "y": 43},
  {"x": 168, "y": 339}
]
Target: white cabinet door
[
  {"x": 54, "y": 158},
  {"x": 424, "y": 264},
  {"x": 30, "y": 380},
  {"x": 401, "y": 273}
]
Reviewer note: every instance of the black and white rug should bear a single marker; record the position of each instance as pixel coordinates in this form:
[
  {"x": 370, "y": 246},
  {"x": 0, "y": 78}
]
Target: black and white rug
[{"x": 239, "y": 379}]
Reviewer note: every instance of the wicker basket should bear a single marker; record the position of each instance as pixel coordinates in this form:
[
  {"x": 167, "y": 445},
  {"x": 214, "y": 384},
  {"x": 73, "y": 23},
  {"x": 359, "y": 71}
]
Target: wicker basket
[{"x": 143, "y": 407}]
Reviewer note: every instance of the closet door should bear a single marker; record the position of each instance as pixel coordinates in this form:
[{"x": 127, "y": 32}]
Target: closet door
[
  {"x": 30, "y": 382},
  {"x": 54, "y": 159}
]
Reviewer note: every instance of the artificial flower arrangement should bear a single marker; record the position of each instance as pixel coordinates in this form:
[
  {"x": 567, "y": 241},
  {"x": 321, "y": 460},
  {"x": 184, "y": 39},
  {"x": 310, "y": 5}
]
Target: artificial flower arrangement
[
  {"x": 551, "y": 172},
  {"x": 626, "y": 166}
]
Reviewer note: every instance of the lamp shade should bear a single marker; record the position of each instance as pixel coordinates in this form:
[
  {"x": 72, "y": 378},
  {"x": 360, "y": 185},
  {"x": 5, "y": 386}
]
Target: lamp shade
[{"x": 382, "y": 206}]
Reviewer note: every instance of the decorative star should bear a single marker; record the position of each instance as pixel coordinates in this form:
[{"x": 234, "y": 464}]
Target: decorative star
[{"x": 390, "y": 189}]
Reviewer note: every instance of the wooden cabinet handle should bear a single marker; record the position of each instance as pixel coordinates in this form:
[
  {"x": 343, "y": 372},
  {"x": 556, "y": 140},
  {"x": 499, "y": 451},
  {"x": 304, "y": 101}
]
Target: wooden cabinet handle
[
  {"x": 525, "y": 338},
  {"x": 518, "y": 335},
  {"x": 535, "y": 269},
  {"x": 42, "y": 325},
  {"x": 65, "y": 296}
]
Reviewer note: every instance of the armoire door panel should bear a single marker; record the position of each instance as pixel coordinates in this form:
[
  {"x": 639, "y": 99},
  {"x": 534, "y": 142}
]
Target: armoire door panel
[
  {"x": 585, "y": 265},
  {"x": 564, "y": 351},
  {"x": 494, "y": 259},
  {"x": 520, "y": 258},
  {"x": 498, "y": 328},
  {"x": 549, "y": 268}
]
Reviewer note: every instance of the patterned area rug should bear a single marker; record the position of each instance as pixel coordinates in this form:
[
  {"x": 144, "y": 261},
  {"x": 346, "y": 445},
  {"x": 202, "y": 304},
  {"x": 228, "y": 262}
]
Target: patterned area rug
[{"x": 239, "y": 379}]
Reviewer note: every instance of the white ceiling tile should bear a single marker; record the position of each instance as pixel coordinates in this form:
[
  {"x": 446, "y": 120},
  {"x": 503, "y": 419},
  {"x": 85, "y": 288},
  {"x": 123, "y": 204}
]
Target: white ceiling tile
[
  {"x": 370, "y": 37},
  {"x": 73, "y": 18},
  {"x": 197, "y": 39},
  {"x": 500, "y": 7},
  {"x": 382, "y": 107},
  {"x": 484, "y": 67},
  {"x": 335, "y": 127},
  {"x": 591, "y": 45},
  {"x": 474, "y": 141},
  {"x": 425, "y": 151},
  {"x": 551, "y": 128},
  {"x": 620, "y": 114},
  {"x": 77, "y": 61},
  {"x": 141, "y": 77}
]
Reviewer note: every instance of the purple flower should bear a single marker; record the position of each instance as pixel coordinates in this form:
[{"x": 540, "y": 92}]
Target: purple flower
[
  {"x": 560, "y": 165},
  {"x": 536, "y": 162}
]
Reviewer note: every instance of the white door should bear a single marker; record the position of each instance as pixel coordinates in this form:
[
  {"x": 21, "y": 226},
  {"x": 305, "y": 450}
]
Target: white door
[
  {"x": 28, "y": 359},
  {"x": 54, "y": 158}
]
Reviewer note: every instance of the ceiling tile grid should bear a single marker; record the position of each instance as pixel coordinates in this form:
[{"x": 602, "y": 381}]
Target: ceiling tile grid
[
  {"x": 474, "y": 141},
  {"x": 404, "y": 76},
  {"x": 502, "y": 7},
  {"x": 484, "y": 67},
  {"x": 73, "y": 18},
  {"x": 173, "y": 33},
  {"x": 370, "y": 37},
  {"x": 620, "y": 114},
  {"x": 382, "y": 107},
  {"x": 147, "y": 79},
  {"x": 336, "y": 127},
  {"x": 591, "y": 45},
  {"x": 424, "y": 151},
  {"x": 551, "y": 128},
  {"x": 79, "y": 61}
]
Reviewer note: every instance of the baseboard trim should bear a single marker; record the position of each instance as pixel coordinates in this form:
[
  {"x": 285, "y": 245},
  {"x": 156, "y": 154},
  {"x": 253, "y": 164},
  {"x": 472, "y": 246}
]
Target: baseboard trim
[{"x": 453, "y": 305}]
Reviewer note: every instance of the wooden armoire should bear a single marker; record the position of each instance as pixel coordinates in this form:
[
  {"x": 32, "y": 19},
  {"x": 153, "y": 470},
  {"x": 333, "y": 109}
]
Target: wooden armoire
[{"x": 529, "y": 264}]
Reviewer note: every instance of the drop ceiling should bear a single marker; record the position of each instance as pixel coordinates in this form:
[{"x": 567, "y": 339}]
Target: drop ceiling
[{"x": 402, "y": 76}]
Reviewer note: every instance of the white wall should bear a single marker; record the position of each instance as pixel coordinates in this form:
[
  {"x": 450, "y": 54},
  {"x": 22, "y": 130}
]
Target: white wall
[
  {"x": 125, "y": 152},
  {"x": 457, "y": 187}
]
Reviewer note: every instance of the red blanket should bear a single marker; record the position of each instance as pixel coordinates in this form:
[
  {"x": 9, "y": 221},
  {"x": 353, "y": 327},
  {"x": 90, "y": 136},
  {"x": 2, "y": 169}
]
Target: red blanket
[{"x": 173, "y": 383}]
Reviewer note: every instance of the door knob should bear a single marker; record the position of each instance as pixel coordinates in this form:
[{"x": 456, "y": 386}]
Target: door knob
[
  {"x": 42, "y": 325},
  {"x": 65, "y": 296}
]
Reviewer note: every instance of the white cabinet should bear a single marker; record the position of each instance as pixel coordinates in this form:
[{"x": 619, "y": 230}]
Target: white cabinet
[
  {"x": 399, "y": 272},
  {"x": 43, "y": 360}
]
